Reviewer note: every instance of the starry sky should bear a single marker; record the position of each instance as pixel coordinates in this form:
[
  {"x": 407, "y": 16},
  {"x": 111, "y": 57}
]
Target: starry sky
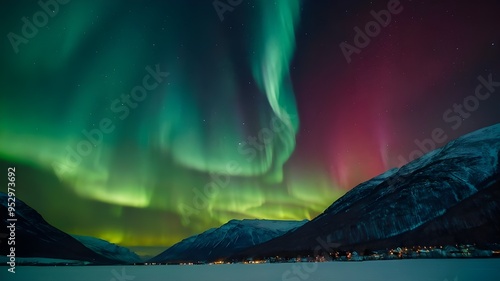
[{"x": 144, "y": 122}]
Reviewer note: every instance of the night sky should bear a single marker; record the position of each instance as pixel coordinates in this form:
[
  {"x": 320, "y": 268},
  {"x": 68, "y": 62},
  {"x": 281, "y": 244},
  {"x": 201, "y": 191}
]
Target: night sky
[{"x": 144, "y": 122}]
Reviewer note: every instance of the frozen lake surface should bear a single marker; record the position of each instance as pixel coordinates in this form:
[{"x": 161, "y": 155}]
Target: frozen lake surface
[{"x": 421, "y": 270}]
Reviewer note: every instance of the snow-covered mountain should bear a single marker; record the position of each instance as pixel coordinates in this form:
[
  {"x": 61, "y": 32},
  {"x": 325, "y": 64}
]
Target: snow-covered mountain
[
  {"x": 108, "y": 250},
  {"x": 38, "y": 239},
  {"x": 450, "y": 195},
  {"x": 230, "y": 238}
]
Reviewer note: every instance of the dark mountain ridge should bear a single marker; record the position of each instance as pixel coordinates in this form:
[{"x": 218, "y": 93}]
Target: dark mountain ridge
[
  {"x": 34, "y": 237},
  {"x": 448, "y": 196},
  {"x": 226, "y": 240}
]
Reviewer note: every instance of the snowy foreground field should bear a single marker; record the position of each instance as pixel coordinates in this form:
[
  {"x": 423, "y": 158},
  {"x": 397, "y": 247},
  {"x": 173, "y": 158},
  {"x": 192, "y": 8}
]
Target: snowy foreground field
[{"x": 436, "y": 270}]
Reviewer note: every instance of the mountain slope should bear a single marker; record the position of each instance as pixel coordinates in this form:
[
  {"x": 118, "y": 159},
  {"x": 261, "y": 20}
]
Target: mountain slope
[
  {"x": 37, "y": 238},
  {"x": 448, "y": 196},
  {"x": 108, "y": 250},
  {"x": 218, "y": 243}
]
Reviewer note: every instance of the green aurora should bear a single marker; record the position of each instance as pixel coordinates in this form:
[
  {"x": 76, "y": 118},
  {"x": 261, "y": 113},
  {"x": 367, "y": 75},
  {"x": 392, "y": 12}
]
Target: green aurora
[{"x": 210, "y": 143}]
